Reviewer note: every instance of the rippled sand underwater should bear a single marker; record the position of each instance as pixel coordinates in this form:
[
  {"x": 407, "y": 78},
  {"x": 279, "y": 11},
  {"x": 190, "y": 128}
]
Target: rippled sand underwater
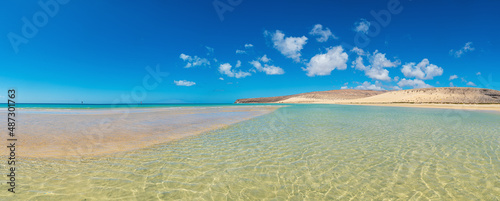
[{"x": 300, "y": 152}]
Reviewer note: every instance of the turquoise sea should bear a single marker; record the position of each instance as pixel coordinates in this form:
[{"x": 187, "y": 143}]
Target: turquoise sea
[
  {"x": 298, "y": 152},
  {"x": 117, "y": 106}
]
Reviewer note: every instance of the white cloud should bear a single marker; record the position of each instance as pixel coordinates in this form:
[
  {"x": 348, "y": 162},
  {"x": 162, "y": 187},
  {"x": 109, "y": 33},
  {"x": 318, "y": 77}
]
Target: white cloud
[
  {"x": 248, "y": 46},
  {"x": 358, "y": 51},
  {"x": 458, "y": 53},
  {"x": 416, "y": 83},
  {"x": 471, "y": 84},
  {"x": 226, "y": 70},
  {"x": 451, "y": 84},
  {"x": 324, "y": 34},
  {"x": 396, "y": 88},
  {"x": 241, "y": 52},
  {"x": 184, "y": 57},
  {"x": 184, "y": 83},
  {"x": 193, "y": 61},
  {"x": 238, "y": 64},
  {"x": 344, "y": 87},
  {"x": 268, "y": 69},
  {"x": 453, "y": 77},
  {"x": 478, "y": 73},
  {"x": 369, "y": 86},
  {"x": 288, "y": 46},
  {"x": 378, "y": 62},
  {"x": 358, "y": 64},
  {"x": 264, "y": 59},
  {"x": 220, "y": 78},
  {"x": 378, "y": 74},
  {"x": 423, "y": 70},
  {"x": 362, "y": 26},
  {"x": 324, "y": 64},
  {"x": 396, "y": 78}
]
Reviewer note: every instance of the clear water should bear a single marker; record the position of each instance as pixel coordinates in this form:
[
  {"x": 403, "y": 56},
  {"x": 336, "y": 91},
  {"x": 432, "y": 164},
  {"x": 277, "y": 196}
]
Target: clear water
[
  {"x": 121, "y": 106},
  {"x": 300, "y": 152}
]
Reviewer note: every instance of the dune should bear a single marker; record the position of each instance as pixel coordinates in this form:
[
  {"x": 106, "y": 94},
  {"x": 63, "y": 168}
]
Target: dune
[
  {"x": 445, "y": 97},
  {"x": 332, "y": 95}
]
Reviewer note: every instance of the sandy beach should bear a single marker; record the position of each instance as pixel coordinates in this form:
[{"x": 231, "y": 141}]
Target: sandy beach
[
  {"x": 445, "y": 98},
  {"x": 480, "y": 107},
  {"x": 60, "y": 133},
  {"x": 477, "y": 107}
]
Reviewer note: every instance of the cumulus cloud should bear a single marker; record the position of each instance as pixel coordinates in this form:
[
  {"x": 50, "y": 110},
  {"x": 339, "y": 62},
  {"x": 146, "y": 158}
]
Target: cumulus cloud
[
  {"x": 396, "y": 88},
  {"x": 241, "y": 52},
  {"x": 453, "y": 77},
  {"x": 362, "y": 26},
  {"x": 423, "y": 70},
  {"x": 323, "y": 34},
  {"x": 416, "y": 83},
  {"x": 378, "y": 74},
  {"x": 377, "y": 64},
  {"x": 471, "y": 84},
  {"x": 238, "y": 64},
  {"x": 478, "y": 73},
  {"x": 458, "y": 53},
  {"x": 248, "y": 46},
  {"x": 288, "y": 46},
  {"x": 358, "y": 51},
  {"x": 369, "y": 86},
  {"x": 358, "y": 64},
  {"x": 268, "y": 69},
  {"x": 193, "y": 61},
  {"x": 344, "y": 87},
  {"x": 220, "y": 78},
  {"x": 264, "y": 59},
  {"x": 324, "y": 64},
  {"x": 226, "y": 69},
  {"x": 184, "y": 83}
]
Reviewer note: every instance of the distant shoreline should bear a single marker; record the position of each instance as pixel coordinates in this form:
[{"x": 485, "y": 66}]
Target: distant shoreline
[
  {"x": 482, "y": 107},
  {"x": 464, "y": 98}
]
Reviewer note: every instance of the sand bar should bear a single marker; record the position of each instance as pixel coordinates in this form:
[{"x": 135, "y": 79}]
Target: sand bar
[
  {"x": 61, "y": 133},
  {"x": 479, "y": 107}
]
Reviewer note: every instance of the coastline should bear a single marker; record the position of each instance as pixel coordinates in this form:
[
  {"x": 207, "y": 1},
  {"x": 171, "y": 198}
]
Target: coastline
[
  {"x": 67, "y": 133},
  {"x": 474, "y": 107},
  {"x": 457, "y": 106}
]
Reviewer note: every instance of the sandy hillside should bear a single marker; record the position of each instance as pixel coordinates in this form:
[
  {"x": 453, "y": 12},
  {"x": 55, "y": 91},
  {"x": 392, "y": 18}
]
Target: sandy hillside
[
  {"x": 435, "y": 95},
  {"x": 448, "y": 95},
  {"x": 333, "y": 95}
]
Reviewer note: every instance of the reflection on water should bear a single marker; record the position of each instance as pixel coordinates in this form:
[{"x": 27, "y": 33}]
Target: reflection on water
[{"x": 312, "y": 152}]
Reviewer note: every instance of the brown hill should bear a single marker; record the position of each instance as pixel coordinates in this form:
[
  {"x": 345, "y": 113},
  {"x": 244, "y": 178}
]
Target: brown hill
[
  {"x": 462, "y": 95},
  {"x": 332, "y": 95}
]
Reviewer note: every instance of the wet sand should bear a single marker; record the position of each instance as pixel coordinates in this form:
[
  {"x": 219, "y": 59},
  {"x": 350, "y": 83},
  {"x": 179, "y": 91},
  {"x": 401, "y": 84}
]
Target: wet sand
[{"x": 61, "y": 133}]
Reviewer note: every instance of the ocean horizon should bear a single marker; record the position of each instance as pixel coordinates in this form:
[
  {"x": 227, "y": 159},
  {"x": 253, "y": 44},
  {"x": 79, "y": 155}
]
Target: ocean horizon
[{"x": 125, "y": 105}]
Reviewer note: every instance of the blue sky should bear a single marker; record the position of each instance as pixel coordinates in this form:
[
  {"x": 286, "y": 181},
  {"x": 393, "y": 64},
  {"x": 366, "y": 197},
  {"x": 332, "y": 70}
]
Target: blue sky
[{"x": 217, "y": 51}]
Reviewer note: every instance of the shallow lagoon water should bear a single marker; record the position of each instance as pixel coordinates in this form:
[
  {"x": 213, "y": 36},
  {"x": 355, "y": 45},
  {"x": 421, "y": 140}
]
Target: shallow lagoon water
[{"x": 299, "y": 152}]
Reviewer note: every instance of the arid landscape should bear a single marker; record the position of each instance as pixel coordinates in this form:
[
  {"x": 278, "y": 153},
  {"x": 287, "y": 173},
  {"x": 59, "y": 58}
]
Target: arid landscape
[{"x": 446, "y": 97}]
